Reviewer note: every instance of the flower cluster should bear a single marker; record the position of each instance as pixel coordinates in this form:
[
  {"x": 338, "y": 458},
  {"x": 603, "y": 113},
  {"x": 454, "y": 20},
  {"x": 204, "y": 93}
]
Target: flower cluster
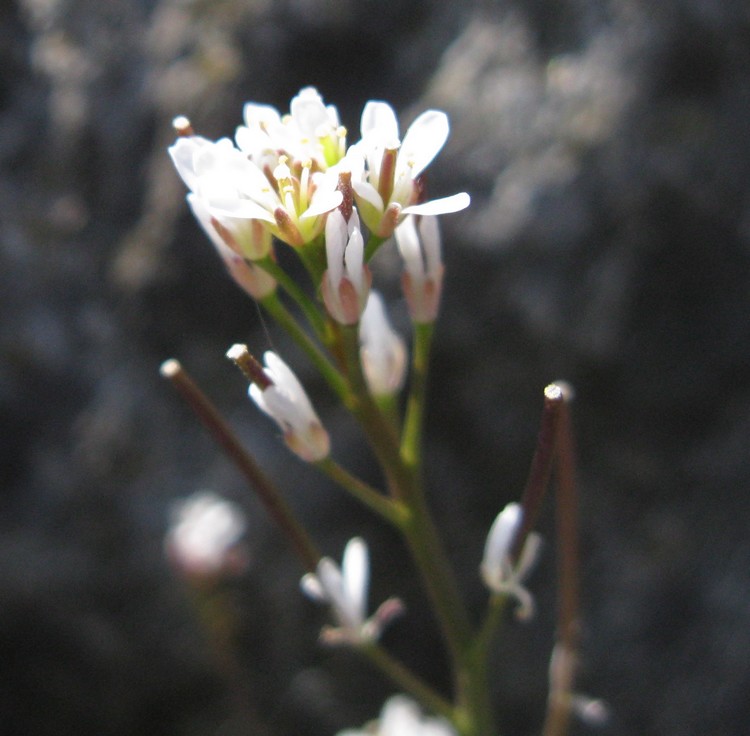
[
  {"x": 293, "y": 177},
  {"x": 283, "y": 171}
]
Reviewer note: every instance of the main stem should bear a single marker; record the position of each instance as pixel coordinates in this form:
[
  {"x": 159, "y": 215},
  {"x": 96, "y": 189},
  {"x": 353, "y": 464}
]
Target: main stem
[{"x": 402, "y": 464}]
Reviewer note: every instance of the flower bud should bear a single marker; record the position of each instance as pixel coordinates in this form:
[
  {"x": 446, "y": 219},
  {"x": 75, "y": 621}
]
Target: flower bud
[
  {"x": 347, "y": 280},
  {"x": 418, "y": 240},
  {"x": 382, "y": 351},
  {"x": 285, "y": 401}
]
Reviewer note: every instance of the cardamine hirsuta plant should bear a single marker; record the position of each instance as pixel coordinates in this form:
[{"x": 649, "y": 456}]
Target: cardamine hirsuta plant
[{"x": 294, "y": 182}]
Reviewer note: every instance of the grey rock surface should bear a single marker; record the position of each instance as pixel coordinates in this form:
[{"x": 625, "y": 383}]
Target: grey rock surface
[{"x": 607, "y": 150}]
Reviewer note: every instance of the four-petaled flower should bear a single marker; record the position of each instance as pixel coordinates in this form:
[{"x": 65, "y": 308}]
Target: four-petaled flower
[
  {"x": 345, "y": 590},
  {"x": 499, "y": 572},
  {"x": 280, "y": 395},
  {"x": 311, "y": 131},
  {"x": 290, "y": 201},
  {"x": 386, "y": 171},
  {"x": 401, "y": 716}
]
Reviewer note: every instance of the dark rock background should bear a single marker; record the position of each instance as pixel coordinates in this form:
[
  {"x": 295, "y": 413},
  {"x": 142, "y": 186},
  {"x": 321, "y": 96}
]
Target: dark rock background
[{"x": 606, "y": 147}]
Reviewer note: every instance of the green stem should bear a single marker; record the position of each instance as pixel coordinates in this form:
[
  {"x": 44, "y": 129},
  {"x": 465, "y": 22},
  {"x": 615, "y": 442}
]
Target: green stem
[
  {"x": 419, "y": 531},
  {"x": 390, "y": 510},
  {"x": 431, "y": 560},
  {"x": 408, "y": 681},
  {"x": 411, "y": 441},
  {"x": 378, "y": 429},
  {"x": 273, "y": 305},
  {"x": 307, "y": 305}
]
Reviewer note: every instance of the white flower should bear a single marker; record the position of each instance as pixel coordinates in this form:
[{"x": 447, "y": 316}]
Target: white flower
[
  {"x": 382, "y": 351},
  {"x": 346, "y": 282},
  {"x": 235, "y": 190},
  {"x": 204, "y": 534},
  {"x": 345, "y": 590},
  {"x": 386, "y": 170},
  {"x": 498, "y": 570},
  {"x": 285, "y": 401},
  {"x": 253, "y": 279},
  {"x": 418, "y": 240},
  {"x": 401, "y": 716},
  {"x": 311, "y": 131}
]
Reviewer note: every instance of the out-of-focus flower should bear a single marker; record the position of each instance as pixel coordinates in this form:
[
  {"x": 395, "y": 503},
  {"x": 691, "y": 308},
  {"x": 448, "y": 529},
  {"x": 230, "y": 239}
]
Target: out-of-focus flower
[
  {"x": 499, "y": 572},
  {"x": 311, "y": 131},
  {"x": 401, "y": 716},
  {"x": 347, "y": 280},
  {"x": 345, "y": 590},
  {"x": 253, "y": 279},
  {"x": 236, "y": 191},
  {"x": 203, "y": 540},
  {"x": 282, "y": 397},
  {"x": 382, "y": 351},
  {"x": 418, "y": 240},
  {"x": 386, "y": 170}
]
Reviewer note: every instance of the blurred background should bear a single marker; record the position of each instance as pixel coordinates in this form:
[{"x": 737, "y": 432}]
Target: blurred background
[{"x": 606, "y": 146}]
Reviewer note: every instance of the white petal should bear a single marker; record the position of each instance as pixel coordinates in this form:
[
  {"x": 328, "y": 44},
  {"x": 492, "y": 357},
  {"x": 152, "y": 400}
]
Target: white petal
[
  {"x": 443, "y": 206},
  {"x": 183, "y": 153},
  {"x": 407, "y": 241},
  {"x": 312, "y": 588},
  {"x": 323, "y": 202},
  {"x": 498, "y": 545},
  {"x": 240, "y": 208},
  {"x": 354, "y": 260},
  {"x": 334, "y": 586},
  {"x": 424, "y": 139},
  {"x": 379, "y": 121},
  {"x": 336, "y": 239},
  {"x": 429, "y": 231},
  {"x": 356, "y": 571},
  {"x": 255, "y": 114},
  {"x": 309, "y": 112},
  {"x": 369, "y": 194}
]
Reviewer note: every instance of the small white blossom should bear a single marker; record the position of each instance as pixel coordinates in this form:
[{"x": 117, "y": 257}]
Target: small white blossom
[
  {"x": 345, "y": 590},
  {"x": 498, "y": 570},
  {"x": 311, "y": 131},
  {"x": 204, "y": 534},
  {"x": 253, "y": 279},
  {"x": 382, "y": 351},
  {"x": 347, "y": 280},
  {"x": 386, "y": 170},
  {"x": 235, "y": 190},
  {"x": 401, "y": 716},
  {"x": 285, "y": 401},
  {"x": 418, "y": 240}
]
